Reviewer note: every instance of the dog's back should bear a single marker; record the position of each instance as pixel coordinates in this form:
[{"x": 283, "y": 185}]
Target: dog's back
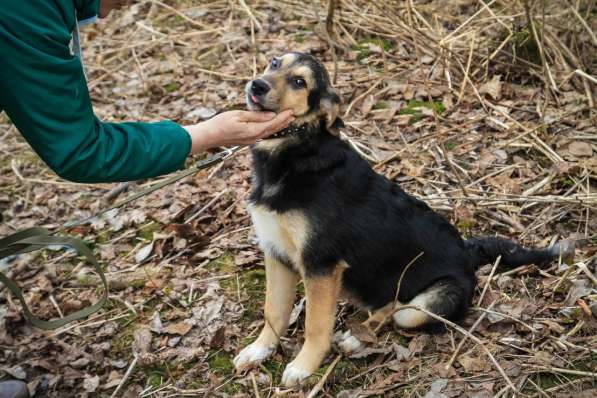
[{"x": 360, "y": 217}]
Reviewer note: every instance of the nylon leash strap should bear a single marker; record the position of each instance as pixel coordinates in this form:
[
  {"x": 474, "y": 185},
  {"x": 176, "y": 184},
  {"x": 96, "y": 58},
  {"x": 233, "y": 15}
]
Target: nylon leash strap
[
  {"x": 36, "y": 238},
  {"x": 33, "y": 239}
]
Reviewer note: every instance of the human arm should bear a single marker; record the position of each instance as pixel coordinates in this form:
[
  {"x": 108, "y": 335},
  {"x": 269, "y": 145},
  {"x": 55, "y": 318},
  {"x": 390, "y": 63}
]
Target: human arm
[
  {"x": 44, "y": 92},
  {"x": 236, "y": 128}
]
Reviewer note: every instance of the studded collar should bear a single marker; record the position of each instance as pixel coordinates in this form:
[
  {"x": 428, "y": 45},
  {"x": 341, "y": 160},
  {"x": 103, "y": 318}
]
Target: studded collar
[{"x": 290, "y": 130}]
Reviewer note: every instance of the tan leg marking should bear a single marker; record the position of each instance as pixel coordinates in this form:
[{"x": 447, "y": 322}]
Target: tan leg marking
[
  {"x": 322, "y": 296},
  {"x": 279, "y": 297}
]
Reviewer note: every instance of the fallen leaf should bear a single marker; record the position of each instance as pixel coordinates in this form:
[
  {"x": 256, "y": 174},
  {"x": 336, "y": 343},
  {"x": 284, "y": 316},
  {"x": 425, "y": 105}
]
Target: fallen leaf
[
  {"x": 435, "y": 390},
  {"x": 580, "y": 288},
  {"x": 142, "y": 340},
  {"x": 180, "y": 328},
  {"x": 368, "y": 351},
  {"x": 367, "y": 104},
  {"x": 143, "y": 253},
  {"x": 580, "y": 148},
  {"x": 219, "y": 338},
  {"x": 418, "y": 343},
  {"x": 90, "y": 384},
  {"x": 15, "y": 371},
  {"x": 362, "y": 332},
  {"x": 493, "y": 88},
  {"x": 296, "y": 311},
  {"x": 472, "y": 364},
  {"x": 402, "y": 353},
  {"x": 156, "y": 323}
]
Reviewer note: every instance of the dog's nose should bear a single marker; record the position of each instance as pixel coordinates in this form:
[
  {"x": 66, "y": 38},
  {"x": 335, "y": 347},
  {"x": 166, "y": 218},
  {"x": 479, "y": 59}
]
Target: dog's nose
[{"x": 259, "y": 87}]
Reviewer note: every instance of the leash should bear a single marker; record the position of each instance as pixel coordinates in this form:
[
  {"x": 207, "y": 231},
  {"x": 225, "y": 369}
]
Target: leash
[
  {"x": 200, "y": 165},
  {"x": 37, "y": 238}
]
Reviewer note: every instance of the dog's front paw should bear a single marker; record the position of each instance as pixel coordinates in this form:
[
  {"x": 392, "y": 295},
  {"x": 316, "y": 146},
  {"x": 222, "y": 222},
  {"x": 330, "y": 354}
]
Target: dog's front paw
[
  {"x": 252, "y": 355},
  {"x": 348, "y": 343},
  {"x": 294, "y": 374}
]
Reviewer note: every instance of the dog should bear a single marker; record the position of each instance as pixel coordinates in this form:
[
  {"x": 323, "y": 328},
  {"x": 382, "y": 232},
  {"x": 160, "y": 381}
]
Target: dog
[{"x": 321, "y": 214}]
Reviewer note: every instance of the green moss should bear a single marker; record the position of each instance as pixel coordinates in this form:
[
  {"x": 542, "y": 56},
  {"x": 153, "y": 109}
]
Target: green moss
[
  {"x": 138, "y": 283},
  {"x": 381, "y": 105},
  {"x": 414, "y": 108},
  {"x": 301, "y": 289},
  {"x": 122, "y": 343},
  {"x": 548, "y": 380},
  {"x": 363, "y": 50},
  {"x": 172, "y": 86},
  {"x": 178, "y": 20},
  {"x": 525, "y": 46},
  {"x": 253, "y": 283},
  {"x": 299, "y": 38},
  {"x": 147, "y": 230},
  {"x": 274, "y": 368},
  {"x": 156, "y": 377},
  {"x": 103, "y": 237},
  {"x": 465, "y": 225},
  {"x": 220, "y": 363},
  {"x": 224, "y": 263},
  {"x": 343, "y": 372},
  {"x": 450, "y": 145}
]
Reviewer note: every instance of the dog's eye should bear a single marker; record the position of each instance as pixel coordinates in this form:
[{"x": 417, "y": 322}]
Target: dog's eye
[
  {"x": 299, "y": 82},
  {"x": 275, "y": 63}
]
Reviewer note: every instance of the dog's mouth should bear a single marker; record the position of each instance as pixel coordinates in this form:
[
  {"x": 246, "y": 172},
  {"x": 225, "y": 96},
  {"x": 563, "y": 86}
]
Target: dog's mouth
[{"x": 254, "y": 103}]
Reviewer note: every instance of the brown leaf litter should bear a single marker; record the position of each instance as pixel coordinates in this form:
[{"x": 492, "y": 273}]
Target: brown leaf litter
[{"x": 486, "y": 110}]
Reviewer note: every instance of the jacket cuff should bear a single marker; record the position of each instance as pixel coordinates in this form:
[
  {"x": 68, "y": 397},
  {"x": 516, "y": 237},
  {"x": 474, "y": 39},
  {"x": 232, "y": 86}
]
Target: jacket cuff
[{"x": 181, "y": 139}]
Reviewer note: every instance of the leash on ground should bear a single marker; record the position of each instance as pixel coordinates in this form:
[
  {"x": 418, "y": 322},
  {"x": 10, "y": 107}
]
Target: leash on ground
[{"x": 37, "y": 238}]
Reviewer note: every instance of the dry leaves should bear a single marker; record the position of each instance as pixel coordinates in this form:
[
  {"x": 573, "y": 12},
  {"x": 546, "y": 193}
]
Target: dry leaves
[{"x": 500, "y": 159}]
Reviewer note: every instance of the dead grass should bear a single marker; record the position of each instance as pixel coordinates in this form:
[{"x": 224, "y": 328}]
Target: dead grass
[{"x": 483, "y": 109}]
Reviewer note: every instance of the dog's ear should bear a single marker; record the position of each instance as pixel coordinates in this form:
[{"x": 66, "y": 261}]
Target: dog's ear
[{"x": 330, "y": 106}]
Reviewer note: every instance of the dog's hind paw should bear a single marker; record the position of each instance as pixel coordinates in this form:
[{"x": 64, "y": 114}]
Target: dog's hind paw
[
  {"x": 348, "y": 343},
  {"x": 294, "y": 374},
  {"x": 252, "y": 355}
]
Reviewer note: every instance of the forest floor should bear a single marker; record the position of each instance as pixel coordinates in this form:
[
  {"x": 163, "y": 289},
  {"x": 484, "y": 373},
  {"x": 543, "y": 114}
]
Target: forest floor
[{"x": 457, "y": 101}]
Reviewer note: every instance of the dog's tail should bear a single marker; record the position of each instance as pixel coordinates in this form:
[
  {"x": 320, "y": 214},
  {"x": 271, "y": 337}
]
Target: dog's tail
[{"x": 486, "y": 250}]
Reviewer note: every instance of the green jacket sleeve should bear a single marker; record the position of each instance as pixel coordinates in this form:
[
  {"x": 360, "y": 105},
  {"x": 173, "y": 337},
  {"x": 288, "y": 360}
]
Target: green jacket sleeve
[{"x": 44, "y": 92}]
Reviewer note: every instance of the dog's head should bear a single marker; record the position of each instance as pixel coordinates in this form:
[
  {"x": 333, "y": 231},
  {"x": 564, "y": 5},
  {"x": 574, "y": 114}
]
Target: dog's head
[{"x": 299, "y": 82}]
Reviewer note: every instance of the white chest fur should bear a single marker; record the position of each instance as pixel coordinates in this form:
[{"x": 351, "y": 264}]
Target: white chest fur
[{"x": 281, "y": 233}]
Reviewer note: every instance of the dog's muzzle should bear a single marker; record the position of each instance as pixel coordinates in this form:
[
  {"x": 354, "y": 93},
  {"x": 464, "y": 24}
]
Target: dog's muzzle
[{"x": 256, "y": 92}]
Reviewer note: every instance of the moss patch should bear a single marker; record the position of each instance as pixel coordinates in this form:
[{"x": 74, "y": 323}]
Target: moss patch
[
  {"x": 381, "y": 105},
  {"x": 220, "y": 363},
  {"x": 224, "y": 263},
  {"x": 414, "y": 108},
  {"x": 172, "y": 86},
  {"x": 525, "y": 46},
  {"x": 147, "y": 230},
  {"x": 253, "y": 283},
  {"x": 363, "y": 47}
]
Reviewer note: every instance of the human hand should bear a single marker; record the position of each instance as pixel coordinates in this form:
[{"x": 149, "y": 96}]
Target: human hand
[{"x": 236, "y": 128}]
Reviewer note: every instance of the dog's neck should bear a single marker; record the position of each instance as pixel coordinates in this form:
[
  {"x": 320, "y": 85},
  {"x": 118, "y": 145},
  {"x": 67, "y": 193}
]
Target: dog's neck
[
  {"x": 281, "y": 166},
  {"x": 292, "y": 130}
]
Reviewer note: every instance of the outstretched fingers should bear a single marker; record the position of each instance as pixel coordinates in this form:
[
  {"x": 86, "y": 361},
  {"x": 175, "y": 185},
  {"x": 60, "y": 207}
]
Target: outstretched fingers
[{"x": 260, "y": 128}]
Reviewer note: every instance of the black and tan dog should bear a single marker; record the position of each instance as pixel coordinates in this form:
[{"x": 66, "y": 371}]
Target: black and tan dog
[{"x": 322, "y": 214}]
